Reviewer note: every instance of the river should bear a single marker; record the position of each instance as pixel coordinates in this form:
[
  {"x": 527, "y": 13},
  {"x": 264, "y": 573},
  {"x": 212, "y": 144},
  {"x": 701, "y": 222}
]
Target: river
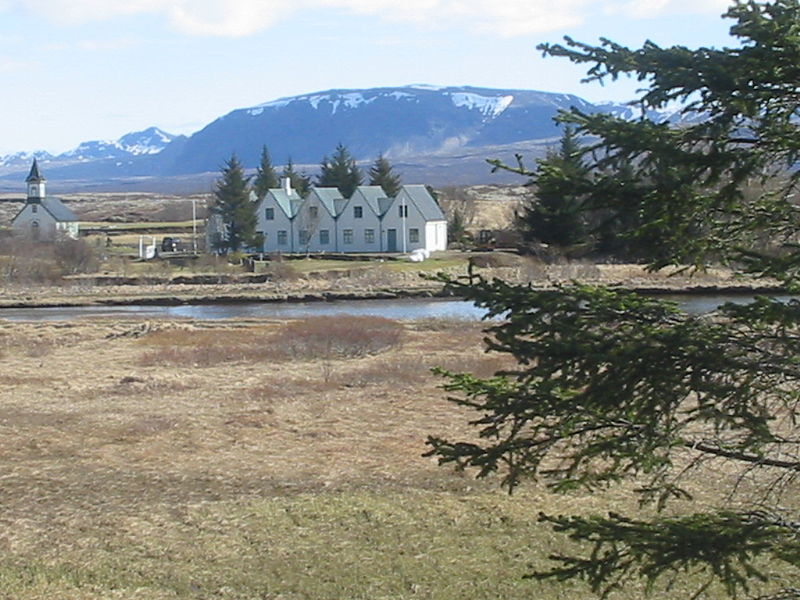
[{"x": 409, "y": 308}]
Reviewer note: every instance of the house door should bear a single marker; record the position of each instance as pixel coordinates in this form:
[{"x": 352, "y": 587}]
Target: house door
[{"x": 391, "y": 240}]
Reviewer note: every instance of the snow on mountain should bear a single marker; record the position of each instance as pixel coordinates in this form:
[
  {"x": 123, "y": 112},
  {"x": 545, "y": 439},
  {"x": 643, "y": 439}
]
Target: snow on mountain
[
  {"x": 148, "y": 141},
  {"x": 489, "y": 106},
  {"x": 24, "y": 158},
  {"x": 414, "y": 123}
]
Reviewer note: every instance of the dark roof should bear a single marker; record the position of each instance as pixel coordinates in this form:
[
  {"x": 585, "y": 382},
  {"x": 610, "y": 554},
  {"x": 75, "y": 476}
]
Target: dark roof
[
  {"x": 331, "y": 199},
  {"x": 422, "y": 199},
  {"x": 34, "y": 175},
  {"x": 375, "y": 198},
  {"x": 57, "y": 208},
  {"x": 54, "y": 206}
]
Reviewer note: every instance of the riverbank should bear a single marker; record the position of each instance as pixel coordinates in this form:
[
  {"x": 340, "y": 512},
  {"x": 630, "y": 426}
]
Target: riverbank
[{"x": 364, "y": 284}]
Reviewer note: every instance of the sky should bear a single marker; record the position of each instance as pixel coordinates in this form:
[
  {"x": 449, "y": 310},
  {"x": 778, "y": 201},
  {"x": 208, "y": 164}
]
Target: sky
[{"x": 77, "y": 70}]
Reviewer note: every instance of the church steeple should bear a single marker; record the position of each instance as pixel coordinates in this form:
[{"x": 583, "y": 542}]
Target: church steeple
[{"x": 35, "y": 183}]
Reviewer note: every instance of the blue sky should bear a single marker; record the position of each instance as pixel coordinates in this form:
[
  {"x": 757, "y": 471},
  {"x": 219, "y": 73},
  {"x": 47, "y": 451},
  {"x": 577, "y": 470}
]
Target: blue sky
[{"x": 76, "y": 70}]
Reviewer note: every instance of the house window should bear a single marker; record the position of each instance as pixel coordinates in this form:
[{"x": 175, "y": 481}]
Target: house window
[
  {"x": 324, "y": 237},
  {"x": 369, "y": 236},
  {"x": 403, "y": 210},
  {"x": 282, "y": 238},
  {"x": 303, "y": 237},
  {"x": 34, "y": 208},
  {"x": 358, "y": 212},
  {"x": 269, "y": 214},
  {"x": 313, "y": 212},
  {"x": 413, "y": 235},
  {"x": 347, "y": 236}
]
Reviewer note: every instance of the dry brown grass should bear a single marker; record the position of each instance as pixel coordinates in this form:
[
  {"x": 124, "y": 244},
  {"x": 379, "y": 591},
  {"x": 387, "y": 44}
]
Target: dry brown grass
[
  {"x": 302, "y": 339},
  {"x": 255, "y": 478}
]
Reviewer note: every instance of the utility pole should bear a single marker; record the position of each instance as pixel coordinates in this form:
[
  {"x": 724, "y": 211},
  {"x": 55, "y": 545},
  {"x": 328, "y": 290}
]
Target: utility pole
[
  {"x": 404, "y": 213},
  {"x": 194, "y": 225}
]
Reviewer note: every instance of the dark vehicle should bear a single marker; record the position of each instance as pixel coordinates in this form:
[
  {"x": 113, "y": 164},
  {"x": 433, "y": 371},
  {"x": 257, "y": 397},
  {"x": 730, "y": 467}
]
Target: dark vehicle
[{"x": 170, "y": 244}]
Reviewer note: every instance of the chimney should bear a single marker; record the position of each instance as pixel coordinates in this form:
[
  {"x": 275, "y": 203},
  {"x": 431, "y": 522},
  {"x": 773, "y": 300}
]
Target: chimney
[{"x": 286, "y": 184}]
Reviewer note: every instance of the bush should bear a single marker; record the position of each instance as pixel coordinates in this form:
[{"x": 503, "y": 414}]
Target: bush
[
  {"x": 340, "y": 337},
  {"x": 305, "y": 339},
  {"x": 282, "y": 271},
  {"x": 75, "y": 256},
  {"x": 26, "y": 261}
]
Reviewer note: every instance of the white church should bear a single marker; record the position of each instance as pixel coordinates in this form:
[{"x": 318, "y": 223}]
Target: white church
[
  {"x": 42, "y": 217},
  {"x": 368, "y": 221}
]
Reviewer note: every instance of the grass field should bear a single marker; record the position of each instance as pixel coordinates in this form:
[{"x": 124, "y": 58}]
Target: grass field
[{"x": 254, "y": 460}]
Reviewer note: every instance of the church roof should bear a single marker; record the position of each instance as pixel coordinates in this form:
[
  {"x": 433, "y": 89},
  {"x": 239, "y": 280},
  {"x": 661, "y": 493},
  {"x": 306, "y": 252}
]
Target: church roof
[
  {"x": 34, "y": 175},
  {"x": 58, "y": 209},
  {"x": 55, "y": 207}
]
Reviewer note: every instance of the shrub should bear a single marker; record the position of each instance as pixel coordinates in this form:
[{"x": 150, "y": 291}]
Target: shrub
[
  {"x": 282, "y": 271},
  {"x": 340, "y": 336},
  {"x": 26, "y": 261},
  {"x": 206, "y": 348},
  {"x": 305, "y": 339},
  {"x": 75, "y": 256}
]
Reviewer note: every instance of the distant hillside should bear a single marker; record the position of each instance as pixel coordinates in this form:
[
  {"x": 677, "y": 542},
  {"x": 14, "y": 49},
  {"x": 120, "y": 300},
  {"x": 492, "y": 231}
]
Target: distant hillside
[{"x": 438, "y": 135}]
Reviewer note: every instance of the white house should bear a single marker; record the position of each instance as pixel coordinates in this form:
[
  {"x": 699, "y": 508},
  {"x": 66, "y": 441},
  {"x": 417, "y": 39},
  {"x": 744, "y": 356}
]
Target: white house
[
  {"x": 415, "y": 221},
  {"x": 362, "y": 220},
  {"x": 43, "y": 217},
  {"x": 368, "y": 221},
  {"x": 318, "y": 220},
  {"x": 276, "y": 213}
]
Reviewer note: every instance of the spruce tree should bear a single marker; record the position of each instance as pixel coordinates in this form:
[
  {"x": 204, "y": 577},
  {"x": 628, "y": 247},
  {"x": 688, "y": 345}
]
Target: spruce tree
[
  {"x": 266, "y": 178},
  {"x": 340, "y": 172},
  {"x": 555, "y": 216},
  {"x": 611, "y": 385},
  {"x": 382, "y": 174},
  {"x": 233, "y": 205},
  {"x": 301, "y": 182}
]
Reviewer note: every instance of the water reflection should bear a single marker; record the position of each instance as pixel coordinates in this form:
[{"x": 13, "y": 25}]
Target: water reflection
[{"x": 410, "y": 308}]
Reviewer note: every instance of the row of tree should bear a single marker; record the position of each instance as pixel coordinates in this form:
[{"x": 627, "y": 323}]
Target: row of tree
[
  {"x": 569, "y": 212},
  {"x": 339, "y": 171},
  {"x": 238, "y": 213}
]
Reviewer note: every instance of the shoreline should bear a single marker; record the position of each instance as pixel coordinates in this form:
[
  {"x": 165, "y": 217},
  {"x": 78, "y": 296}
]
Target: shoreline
[{"x": 244, "y": 293}]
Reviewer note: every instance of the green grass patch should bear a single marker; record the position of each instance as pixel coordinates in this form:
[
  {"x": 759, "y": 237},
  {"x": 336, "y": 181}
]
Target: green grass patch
[
  {"x": 140, "y": 225},
  {"x": 366, "y": 545}
]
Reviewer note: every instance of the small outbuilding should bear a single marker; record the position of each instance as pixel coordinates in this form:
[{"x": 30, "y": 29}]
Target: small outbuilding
[{"x": 43, "y": 217}]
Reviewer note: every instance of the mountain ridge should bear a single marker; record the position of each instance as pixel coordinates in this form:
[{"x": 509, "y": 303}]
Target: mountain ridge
[{"x": 408, "y": 124}]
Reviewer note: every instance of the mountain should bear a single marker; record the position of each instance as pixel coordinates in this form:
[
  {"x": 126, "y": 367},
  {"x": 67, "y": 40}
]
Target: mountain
[
  {"x": 22, "y": 160},
  {"x": 131, "y": 145},
  {"x": 149, "y": 141},
  {"x": 400, "y": 122},
  {"x": 436, "y": 135}
]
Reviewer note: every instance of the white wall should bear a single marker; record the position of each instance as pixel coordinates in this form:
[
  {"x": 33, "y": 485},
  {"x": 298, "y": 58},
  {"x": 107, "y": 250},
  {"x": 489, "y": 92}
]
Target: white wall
[
  {"x": 430, "y": 235},
  {"x": 436, "y": 236},
  {"x": 270, "y": 229},
  {"x": 359, "y": 227},
  {"x": 48, "y": 227},
  {"x": 314, "y": 225}
]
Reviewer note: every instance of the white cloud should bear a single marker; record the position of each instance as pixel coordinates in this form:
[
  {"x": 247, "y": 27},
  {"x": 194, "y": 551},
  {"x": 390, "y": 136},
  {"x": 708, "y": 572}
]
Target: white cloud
[
  {"x": 7, "y": 64},
  {"x": 106, "y": 45},
  {"x": 235, "y": 18},
  {"x": 648, "y": 9}
]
